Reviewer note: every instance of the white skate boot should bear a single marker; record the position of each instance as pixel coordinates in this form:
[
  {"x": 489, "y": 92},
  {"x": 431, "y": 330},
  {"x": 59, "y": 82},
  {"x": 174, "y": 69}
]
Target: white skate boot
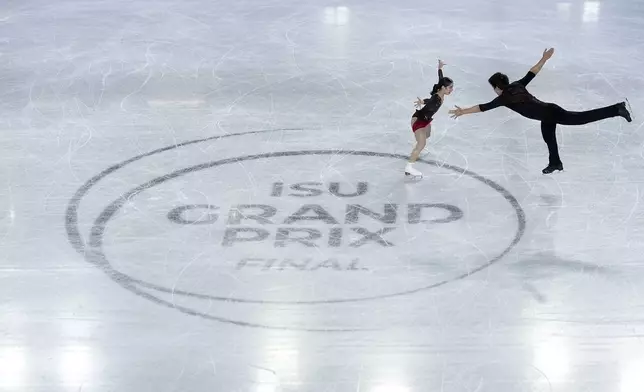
[{"x": 411, "y": 172}]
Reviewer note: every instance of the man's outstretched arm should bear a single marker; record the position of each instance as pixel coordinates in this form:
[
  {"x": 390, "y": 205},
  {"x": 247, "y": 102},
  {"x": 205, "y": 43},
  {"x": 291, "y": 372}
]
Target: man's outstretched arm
[
  {"x": 493, "y": 104},
  {"x": 547, "y": 54}
]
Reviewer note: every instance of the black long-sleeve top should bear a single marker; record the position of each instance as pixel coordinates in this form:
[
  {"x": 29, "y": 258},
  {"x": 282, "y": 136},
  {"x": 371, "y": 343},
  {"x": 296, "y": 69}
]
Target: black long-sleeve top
[
  {"x": 517, "y": 98},
  {"x": 431, "y": 104}
]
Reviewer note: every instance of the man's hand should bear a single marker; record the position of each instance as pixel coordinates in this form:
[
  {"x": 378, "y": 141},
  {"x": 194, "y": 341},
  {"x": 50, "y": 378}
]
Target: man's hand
[
  {"x": 456, "y": 112},
  {"x": 441, "y": 64},
  {"x": 547, "y": 54}
]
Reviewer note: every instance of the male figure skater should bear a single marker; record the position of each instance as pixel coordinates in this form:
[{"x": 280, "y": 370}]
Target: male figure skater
[{"x": 516, "y": 97}]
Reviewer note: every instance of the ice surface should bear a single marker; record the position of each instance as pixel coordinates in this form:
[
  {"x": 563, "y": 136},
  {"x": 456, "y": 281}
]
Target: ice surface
[{"x": 208, "y": 196}]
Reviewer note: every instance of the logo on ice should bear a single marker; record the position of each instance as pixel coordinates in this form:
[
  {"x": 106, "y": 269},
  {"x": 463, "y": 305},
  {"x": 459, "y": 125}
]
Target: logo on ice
[{"x": 248, "y": 223}]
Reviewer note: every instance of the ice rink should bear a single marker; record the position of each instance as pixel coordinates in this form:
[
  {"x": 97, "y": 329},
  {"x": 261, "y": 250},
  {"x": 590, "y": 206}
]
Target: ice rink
[{"x": 209, "y": 196}]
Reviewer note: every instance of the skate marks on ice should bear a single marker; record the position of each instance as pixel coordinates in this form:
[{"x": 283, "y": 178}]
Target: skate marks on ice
[
  {"x": 538, "y": 261},
  {"x": 367, "y": 234}
]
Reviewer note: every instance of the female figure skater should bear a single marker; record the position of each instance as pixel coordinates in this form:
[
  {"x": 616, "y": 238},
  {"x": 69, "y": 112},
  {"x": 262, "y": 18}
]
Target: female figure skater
[
  {"x": 516, "y": 97},
  {"x": 421, "y": 121}
]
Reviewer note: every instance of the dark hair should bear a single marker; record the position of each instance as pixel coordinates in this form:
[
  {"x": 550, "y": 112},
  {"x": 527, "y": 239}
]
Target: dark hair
[
  {"x": 499, "y": 80},
  {"x": 443, "y": 82}
]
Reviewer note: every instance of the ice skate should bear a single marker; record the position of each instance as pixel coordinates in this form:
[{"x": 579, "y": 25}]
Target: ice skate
[
  {"x": 625, "y": 110},
  {"x": 412, "y": 173},
  {"x": 551, "y": 168}
]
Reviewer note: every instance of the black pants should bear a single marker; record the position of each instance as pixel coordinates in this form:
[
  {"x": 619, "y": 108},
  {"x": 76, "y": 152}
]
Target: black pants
[{"x": 558, "y": 115}]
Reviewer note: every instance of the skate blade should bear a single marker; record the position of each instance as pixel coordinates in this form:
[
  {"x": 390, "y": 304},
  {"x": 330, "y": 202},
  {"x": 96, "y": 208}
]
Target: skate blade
[
  {"x": 413, "y": 177},
  {"x": 552, "y": 172},
  {"x": 630, "y": 108}
]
